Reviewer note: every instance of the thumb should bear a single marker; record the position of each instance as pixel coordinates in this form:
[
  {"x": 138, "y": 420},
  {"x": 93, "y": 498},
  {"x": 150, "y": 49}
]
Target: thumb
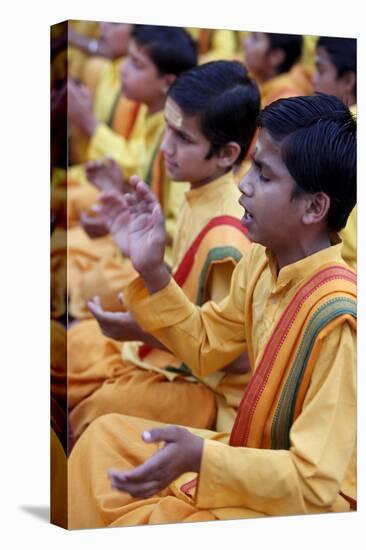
[
  {"x": 158, "y": 217},
  {"x": 168, "y": 434}
]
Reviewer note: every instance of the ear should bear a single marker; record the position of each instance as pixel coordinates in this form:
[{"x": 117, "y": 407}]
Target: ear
[
  {"x": 228, "y": 154},
  {"x": 275, "y": 58},
  {"x": 166, "y": 81},
  {"x": 349, "y": 80},
  {"x": 316, "y": 208}
]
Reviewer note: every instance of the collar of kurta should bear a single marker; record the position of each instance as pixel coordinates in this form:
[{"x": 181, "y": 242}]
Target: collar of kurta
[
  {"x": 292, "y": 273},
  {"x": 210, "y": 191}
]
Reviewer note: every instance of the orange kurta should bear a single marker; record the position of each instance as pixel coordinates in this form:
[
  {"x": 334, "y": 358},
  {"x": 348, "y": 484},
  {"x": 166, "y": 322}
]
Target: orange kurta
[
  {"x": 241, "y": 477},
  {"x": 150, "y": 383}
]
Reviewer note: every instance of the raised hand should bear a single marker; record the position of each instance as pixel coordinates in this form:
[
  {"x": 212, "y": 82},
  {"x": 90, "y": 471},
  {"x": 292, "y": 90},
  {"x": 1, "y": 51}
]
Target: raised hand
[
  {"x": 80, "y": 107},
  {"x": 94, "y": 226},
  {"x": 181, "y": 453},
  {"x": 105, "y": 174},
  {"x": 137, "y": 224}
]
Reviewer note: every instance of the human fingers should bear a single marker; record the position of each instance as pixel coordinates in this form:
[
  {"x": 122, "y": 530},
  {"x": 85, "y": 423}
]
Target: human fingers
[
  {"x": 168, "y": 434},
  {"x": 136, "y": 489},
  {"x": 95, "y": 306}
]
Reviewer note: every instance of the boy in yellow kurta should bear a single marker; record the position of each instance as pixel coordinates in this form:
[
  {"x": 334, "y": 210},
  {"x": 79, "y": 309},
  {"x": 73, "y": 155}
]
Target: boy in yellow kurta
[
  {"x": 274, "y": 61},
  {"x": 210, "y": 116},
  {"x": 100, "y": 75},
  {"x": 156, "y": 56},
  {"x": 292, "y": 305},
  {"x": 336, "y": 74}
]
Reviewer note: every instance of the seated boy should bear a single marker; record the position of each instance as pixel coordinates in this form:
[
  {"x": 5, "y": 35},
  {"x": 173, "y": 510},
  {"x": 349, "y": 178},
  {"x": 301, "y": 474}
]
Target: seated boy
[
  {"x": 156, "y": 56},
  {"x": 101, "y": 75},
  {"x": 292, "y": 304},
  {"x": 273, "y": 59},
  {"x": 336, "y": 74},
  {"x": 210, "y": 122}
]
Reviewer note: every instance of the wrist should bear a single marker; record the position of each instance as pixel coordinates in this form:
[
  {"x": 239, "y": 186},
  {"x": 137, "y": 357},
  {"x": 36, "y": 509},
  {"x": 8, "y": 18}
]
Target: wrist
[{"x": 156, "y": 279}]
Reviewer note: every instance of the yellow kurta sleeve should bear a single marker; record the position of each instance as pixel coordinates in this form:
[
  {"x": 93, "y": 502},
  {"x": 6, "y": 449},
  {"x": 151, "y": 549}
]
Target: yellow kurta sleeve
[
  {"x": 130, "y": 154},
  {"x": 206, "y": 338},
  {"x": 308, "y": 477},
  {"x": 218, "y": 284}
]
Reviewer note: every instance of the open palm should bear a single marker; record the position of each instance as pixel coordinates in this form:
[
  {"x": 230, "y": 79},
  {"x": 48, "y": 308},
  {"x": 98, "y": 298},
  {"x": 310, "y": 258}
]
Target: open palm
[
  {"x": 137, "y": 225},
  {"x": 105, "y": 174}
]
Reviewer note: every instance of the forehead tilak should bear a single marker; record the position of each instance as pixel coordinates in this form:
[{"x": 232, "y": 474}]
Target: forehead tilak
[{"x": 173, "y": 115}]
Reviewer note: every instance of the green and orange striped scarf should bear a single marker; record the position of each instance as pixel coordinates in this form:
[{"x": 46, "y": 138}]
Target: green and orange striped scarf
[
  {"x": 222, "y": 239},
  {"x": 274, "y": 397}
]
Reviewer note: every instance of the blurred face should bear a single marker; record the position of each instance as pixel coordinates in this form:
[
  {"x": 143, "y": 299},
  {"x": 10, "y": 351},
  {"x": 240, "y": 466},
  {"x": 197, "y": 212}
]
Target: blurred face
[
  {"x": 140, "y": 78},
  {"x": 256, "y": 46},
  {"x": 325, "y": 79},
  {"x": 185, "y": 147},
  {"x": 272, "y": 216},
  {"x": 117, "y": 36}
]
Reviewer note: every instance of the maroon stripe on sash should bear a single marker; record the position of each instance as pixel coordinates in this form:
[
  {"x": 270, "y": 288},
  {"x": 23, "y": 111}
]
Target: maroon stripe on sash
[{"x": 186, "y": 264}]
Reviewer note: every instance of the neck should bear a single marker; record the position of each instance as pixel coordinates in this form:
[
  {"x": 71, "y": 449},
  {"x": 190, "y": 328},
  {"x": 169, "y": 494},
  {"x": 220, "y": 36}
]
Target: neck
[
  {"x": 156, "y": 105},
  {"x": 301, "y": 250},
  {"x": 209, "y": 179}
]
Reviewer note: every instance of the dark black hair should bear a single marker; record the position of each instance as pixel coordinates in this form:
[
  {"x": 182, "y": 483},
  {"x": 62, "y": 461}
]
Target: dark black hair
[
  {"x": 171, "y": 49},
  {"x": 318, "y": 146},
  {"x": 342, "y": 53},
  {"x": 291, "y": 44},
  {"x": 226, "y": 100}
]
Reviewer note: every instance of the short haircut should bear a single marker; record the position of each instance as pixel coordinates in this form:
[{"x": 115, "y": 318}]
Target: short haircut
[
  {"x": 171, "y": 49},
  {"x": 318, "y": 146},
  {"x": 291, "y": 44},
  {"x": 342, "y": 53},
  {"x": 226, "y": 100}
]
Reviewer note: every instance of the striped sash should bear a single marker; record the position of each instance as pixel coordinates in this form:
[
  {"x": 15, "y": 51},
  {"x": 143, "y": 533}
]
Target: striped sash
[
  {"x": 193, "y": 272},
  {"x": 274, "y": 397}
]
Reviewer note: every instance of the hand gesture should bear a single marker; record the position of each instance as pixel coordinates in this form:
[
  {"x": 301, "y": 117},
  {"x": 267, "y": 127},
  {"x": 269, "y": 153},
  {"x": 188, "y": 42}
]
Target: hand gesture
[
  {"x": 181, "y": 453},
  {"x": 80, "y": 107},
  {"x": 137, "y": 224},
  {"x": 105, "y": 174},
  {"x": 116, "y": 325},
  {"x": 94, "y": 226}
]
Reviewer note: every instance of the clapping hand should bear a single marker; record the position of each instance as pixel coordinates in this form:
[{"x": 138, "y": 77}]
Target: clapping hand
[
  {"x": 105, "y": 174},
  {"x": 137, "y": 225},
  {"x": 94, "y": 226}
]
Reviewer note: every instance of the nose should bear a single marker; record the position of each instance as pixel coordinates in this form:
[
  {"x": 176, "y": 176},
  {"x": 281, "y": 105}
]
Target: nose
[
  {"x": 166, "y": 146},
  {"x": 246, "y": 186}
]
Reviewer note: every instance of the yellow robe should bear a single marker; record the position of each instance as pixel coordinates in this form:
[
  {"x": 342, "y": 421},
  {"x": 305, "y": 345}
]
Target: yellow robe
[
  {"x": 349, "y": 238},
  {"x": 349, "y": 233},
  {"x": 311, "y": 476},
  {"x": 103, "y": 77},
  {"x": 214, "y": 44},
  {"x": 133, "y": 155},
  {"x": 101, "y": 380},
  {"x": 95, "y": 266},
  {"x": 76, "y": 57},
  {"x": 295, "y": 82}
]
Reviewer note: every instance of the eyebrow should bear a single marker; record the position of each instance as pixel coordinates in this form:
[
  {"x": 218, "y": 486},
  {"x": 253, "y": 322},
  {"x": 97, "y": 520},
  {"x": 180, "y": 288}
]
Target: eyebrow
[
  {"x": 179, "y": 130},
  {"x": 261, "y": 163}
]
